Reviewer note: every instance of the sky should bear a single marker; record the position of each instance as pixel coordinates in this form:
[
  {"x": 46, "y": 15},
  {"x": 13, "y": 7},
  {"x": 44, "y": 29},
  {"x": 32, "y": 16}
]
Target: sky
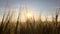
[{"x": 43, "y": 6}]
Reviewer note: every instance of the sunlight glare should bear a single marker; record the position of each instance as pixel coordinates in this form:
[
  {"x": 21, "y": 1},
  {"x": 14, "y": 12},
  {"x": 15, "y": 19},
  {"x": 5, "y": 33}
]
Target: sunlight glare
[{"x": 29, "y": 15}]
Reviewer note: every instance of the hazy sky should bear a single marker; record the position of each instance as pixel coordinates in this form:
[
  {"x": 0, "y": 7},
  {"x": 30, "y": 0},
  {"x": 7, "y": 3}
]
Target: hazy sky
[{"x": 45, "y": 6}]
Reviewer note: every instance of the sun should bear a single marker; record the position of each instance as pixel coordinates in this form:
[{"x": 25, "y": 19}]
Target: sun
[{"x": 29, "y": 15}]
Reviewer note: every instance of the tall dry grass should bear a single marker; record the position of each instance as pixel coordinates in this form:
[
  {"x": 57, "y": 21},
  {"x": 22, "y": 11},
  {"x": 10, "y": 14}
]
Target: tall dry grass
[{"x": 37, "y": 27}]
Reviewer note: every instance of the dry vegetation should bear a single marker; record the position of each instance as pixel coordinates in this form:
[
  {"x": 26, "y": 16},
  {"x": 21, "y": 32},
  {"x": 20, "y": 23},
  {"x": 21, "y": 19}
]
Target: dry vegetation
[{"x": 37, "y": 27}]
